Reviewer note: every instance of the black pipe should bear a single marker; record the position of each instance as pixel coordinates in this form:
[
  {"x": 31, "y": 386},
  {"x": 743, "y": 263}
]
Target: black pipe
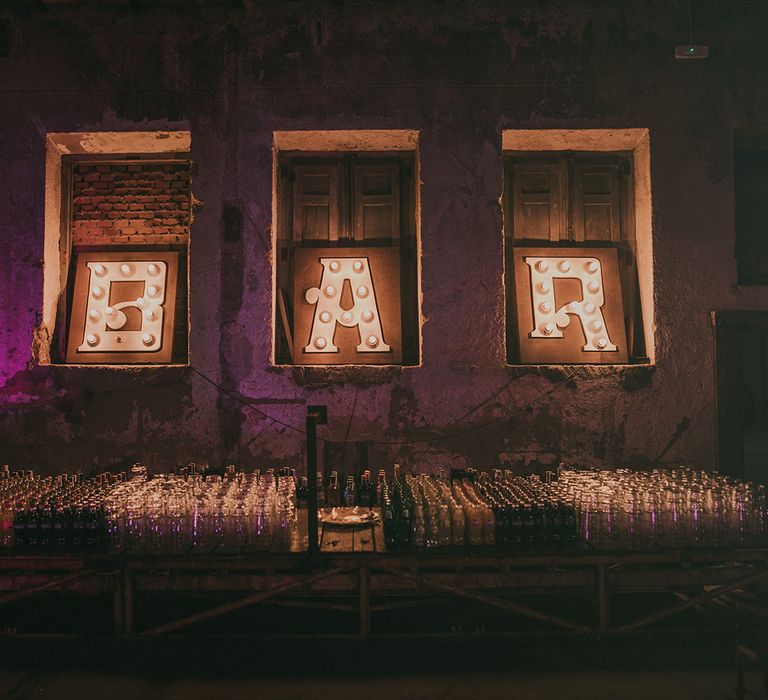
[{"x": 316, "y": 415}]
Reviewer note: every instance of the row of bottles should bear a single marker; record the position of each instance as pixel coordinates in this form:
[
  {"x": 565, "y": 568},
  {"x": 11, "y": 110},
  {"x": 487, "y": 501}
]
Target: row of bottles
[
  {"x": 208, "y": 510},
  {"x": 514, "y": 512},
  {"x": 356, "y": 491},
  {"x": 193, "y": 510}
]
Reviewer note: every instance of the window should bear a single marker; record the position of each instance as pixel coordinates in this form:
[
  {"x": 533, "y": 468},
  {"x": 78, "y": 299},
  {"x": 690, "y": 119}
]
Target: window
[
  {"x": 571, "y": 251},
  {"x": 751, "y": 197},
  {"x": 346, "y": 259},
  {"x": 116, "y": 251}
]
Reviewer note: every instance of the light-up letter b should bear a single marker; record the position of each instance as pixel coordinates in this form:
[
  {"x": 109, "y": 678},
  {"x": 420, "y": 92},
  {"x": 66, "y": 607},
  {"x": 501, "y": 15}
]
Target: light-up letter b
[
  {"x": 328, "y": 312},
  {"x": 548, "y": 320}
]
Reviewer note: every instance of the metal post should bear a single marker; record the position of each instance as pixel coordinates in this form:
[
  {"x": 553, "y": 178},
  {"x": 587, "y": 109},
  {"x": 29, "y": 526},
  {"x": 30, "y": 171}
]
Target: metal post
[
  {"x": 129, "y": 601},
  {"x": 316, "y": 415},
  {"x": 117, "y": 602},
  {"x": 364, "y": 598},
  {"x": 602, "y": 597}
]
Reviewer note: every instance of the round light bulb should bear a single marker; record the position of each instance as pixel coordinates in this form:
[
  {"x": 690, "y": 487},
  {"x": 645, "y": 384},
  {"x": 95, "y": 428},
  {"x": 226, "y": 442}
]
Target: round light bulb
[
  {"x": 325, "y": 317},
  {"x": 125, "y": 268},
  {"x": 597, "y": 324},
  {"x": 94, "y": 315},
  {"x": 589, "y": 307},
  {"x": 542, "y": 266},
  {"x": 109, "y": 311},
  {"x": 149, "y": 314},
  {"x": 548, "y": 329},
  {"x": 330, "y": 290},
  {"x": 602, "y": 342},
  {"x": 564, "y": 266},
  {"x": 593, "y": 287},
  {"x": 320, "y": 343},
  {"x": 334, "y": 266},
  {"x": 592, "y": 266},
  {"x": 153, "y": 290},
  {"x": 362, "y": 291},
  {"x": 357, "y": 266},
  {"x": 367, "y": 315},
  {"x": 147, "y": 339},
  {"x": 140, "y": 302},
  {"x": 545, "y": 307},
  {"x": 92, "y": 339},
  {"x": 347, "y": 315},
  {"x": 99, "y": 269},
  {"x": 544, "y": 287},
  {"x": 373, "y": 341},
  {"x": 152, "y": 269},
  {"x": 98, "y": 292}
]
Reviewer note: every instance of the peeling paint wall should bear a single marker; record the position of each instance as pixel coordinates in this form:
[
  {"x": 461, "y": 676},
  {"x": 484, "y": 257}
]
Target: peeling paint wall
[{"x": 459, "y": 74}]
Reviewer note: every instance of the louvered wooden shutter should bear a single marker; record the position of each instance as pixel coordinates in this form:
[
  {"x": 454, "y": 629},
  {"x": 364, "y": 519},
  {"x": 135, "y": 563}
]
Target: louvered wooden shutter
[
  {"x": 376, "y": 202},
  {"x": 596, "y": 203},
  {"x": 537, "y": 211},
  {"x": 316, "y": 203}
]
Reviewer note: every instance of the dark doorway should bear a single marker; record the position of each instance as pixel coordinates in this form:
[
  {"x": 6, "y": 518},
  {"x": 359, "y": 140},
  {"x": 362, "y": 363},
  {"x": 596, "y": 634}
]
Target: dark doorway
[{"x": 742, "y": 393}]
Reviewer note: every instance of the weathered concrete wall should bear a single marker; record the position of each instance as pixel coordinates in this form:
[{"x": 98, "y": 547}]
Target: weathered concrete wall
[{"x": 459, "y": 73}]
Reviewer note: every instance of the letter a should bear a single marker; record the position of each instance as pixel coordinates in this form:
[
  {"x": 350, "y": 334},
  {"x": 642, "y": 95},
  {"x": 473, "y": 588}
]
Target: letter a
[{"x": 328, "y": 312}]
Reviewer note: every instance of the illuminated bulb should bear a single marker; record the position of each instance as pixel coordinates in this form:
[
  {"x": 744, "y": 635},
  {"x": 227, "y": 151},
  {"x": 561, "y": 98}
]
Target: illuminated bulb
[
  {"x": 110, "y": 311},
  {"x": 325, "y": 317},
  {"x": 334, "y": 266},
  {"x": 357, "y": 266},
  {"x": 147, "y": 339},
  {"x": 149, "y": 314},
  {"x": 330, "y": 290},
  {"x": 362, "y": 291},
  {"x": 564, "y": 266},
  {"x": 153, "y": 290},
  {"x": 545, "y": 307},
  {"x": 592, "y": 266},
  {"x": 140, "y": 302},
  {"x": 320, "y": 343},
  {"x": 99, "y": 269},
  {"x": 593, "y": 287},
  {"x": 347, "y": 315},
  {"x": 373, "y": 341},
  {"x": 542, "y": 266},
  {"x": 544, "y": 287},
  {"x": 589, "y": 307},
  {"x": 152, "y": 269},
  {"x": 98, "y": 292},
  {"x": 94, "y": 315},
  {"x": 367, "y": 315},
  {"x": 548, "y": 329},
  {"x": 597, "y": 324},
  {"x": 92, "y": 339},
  {"x": 125, "y": 269},
  {"x": 602, "y": 342}
]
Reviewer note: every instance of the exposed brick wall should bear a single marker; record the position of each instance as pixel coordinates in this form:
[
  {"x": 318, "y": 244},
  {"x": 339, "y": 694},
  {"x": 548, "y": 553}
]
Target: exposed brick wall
[{"x": 130, "y": 203}]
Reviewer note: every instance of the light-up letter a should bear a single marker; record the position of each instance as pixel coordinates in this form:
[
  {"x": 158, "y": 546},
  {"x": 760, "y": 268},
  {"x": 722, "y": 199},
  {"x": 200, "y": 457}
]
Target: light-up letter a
[
  {"x": 548, "y": 320},
  {"x": 328, "y": 312}
]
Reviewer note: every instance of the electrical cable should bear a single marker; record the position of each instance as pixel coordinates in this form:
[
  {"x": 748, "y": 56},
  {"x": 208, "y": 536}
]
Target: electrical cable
[{"x": 434, "y": 438}]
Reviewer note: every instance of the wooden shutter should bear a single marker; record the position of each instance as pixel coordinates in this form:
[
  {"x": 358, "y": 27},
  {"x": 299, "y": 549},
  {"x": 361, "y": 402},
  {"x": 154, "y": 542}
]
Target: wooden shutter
[
  {"x": 537, "y": 201},
  {"x": 596, "y": 203},
  {"x": 376, "y": 202},
  {"x": 316, "y": 203}
]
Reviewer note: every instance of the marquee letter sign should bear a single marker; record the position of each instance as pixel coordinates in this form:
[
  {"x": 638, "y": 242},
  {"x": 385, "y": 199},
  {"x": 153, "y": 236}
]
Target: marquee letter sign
[
  {"x": 123, "y": 308},
  {"x": 569, "y": 305},
  {"x": 347, "y": 306}
]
